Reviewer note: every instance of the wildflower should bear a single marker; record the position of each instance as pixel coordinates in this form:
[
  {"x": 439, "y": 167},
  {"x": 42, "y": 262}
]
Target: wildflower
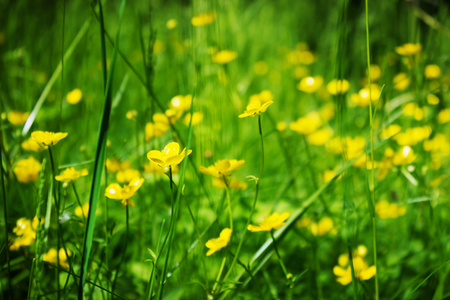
[
  {"x": 432, "y": 99},
  {"x": 300, "y": 72},
  {"x": 326, "y": 113},
  {"x": 362, "y": 98},
  {"x": 50, "y": 257},
  {"x": 222, "y": 167},
  {"x": 261, "y": 68},
  {"x": 171, "y": 24},
  {"x": 203, "y": 19},
  {"x": 116, "y": 192},
  {"x": 281, "y": 126},
  {"x": 432, "y": 71},
  {"x": 181, "y": 103},
  {"x": 404, "y": 156},
  {"x": 412, "y": 136},
  {"x": 158, "y": 47},
  {"x": 386, "y": 210},
  {"x": 329, "y": 174},
  {"x": 375, "y": 72},
  {"x": 31, "y": 145},
  {"x": 197, "y": 117},
  {"x": 401, "y": 81},
  {"x": 444, "y": 116},
  {"x": 222, "y": 241},
  {"x": 27, "y": 170},
  {"x": 360, "y": 266},
  {"x": 310, "y": 84},
  {"x": 320, "y": 137},
  {"x": 82, "y": 211},
  {"x": 324, "y": 226},
  {"x": 73, "y": 97},
  {"x": 131, "y": 115},
  {"x": 335, "y": 86},
  {"x": 412, "y": 109},
  {"x": 169, "y": 156},
  {"x": 258, "y": 104},
  {"x": 440, "y": 143},
  {"x": 224, "y": 56},
  {"x": 47, "y": 138},
  {"x": 274, "y": 221},
  {"x": 113, "y": 165},
  {"x": 71, "y": 174},
  {"x": 390, "y": 131},
  {"x": 408, "y": 49},
  {"x": 25, "y": 231},
  {"x": 306, "y": 125},
  {"x": 127, "y": 174},
  {"x": 18, "y": 118},
  {"x": 159, "y": 127},
  {"x": 233, "y": 184}
]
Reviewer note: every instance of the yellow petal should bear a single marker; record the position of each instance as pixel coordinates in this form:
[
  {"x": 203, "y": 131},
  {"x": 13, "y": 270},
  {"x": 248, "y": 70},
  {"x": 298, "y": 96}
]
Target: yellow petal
[
  {"x": 114, "y": 191},
  {"x": 156, "y": 156}
]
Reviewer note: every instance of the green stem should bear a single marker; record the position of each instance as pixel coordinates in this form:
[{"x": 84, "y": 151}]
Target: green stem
[
  {"x": 317, "y": 267},
  {"x": 219, "y": 275},
  {"x": 78, "y": 200},
  {"x": 229, "y": 202},
  {"x": 127, "y": 217},
  {"x": 278, "y": 254},
  {"x": 352, "y": 268}
]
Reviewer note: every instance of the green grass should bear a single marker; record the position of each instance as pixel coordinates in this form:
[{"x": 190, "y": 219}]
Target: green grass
[{"x": 125, "y": 58}]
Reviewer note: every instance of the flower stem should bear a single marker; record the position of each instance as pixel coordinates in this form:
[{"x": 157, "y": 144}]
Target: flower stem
[
  {"x": 78, "y": 200},
  {"x": 219, "y": 274},
  {"x": 229, "y": 202},
  {"x": 127, "y": 216},
  {"x": 278, "y": 254}
]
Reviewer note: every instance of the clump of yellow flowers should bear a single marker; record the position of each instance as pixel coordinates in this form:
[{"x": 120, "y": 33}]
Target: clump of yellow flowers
[
  {"x": 258, "y": 104},
  {"x": 51, "y": 255},
  {"x": 222, "y": 241},
  {"x": 25, "y": 231},
  {"x": 47, "y": 138},
  {"x": 362, "y": 270},
  {"x": 27, "y": 170}
]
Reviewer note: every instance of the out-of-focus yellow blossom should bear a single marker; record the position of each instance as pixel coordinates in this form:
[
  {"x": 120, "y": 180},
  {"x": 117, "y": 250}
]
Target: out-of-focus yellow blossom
[
  {"x": 408, "y": 49},
  {"x": 390, "y": 131},
  {"x": 169, "y": 156},
  {"x": 82, "y": 211},
  {"x": 324, "y": 226},
  {"x": 412, "y": 136},
  {"x": 360, "y": 266},
  {"x": 17, "y": 118},
  {"x": 232, "y": 184},
  {"x": 196, "y": 119},
  {"x": 320, "y": 137},
  {"x": 222, "y": 241},
  {"x": 158, "y": 128},
  {"x": 222, "y": 167},
  {"x": 154, "y": 168},
  {"x": 362, "y": 98},
  {"x": 329, "y": 174},
  {"x": 31, "y": 145},
  {"x": 306, "y": 125},
  {"x": 50, "y": 257},
  {"x": 173, "y": 115},
  {"x": 375, "y": 72},
  {"x": 301, "y": 55},
  {"x": 386, "y": 210},
  {"x": 310, "y": 84},
  {"x": 326, "y": 113},
  {"x": 258, "y": 104},
  {"x": 353, "y": 147},
  {"x": 171, "y": 24},
  {"x": 335, "y": 86},
  {"x": 224, "y": 56},
  {"x": 300, "y": 72},
  {"x": 74, "y": 96},
  {"x": 25, "y": 232},
  {"x": 47, "y": 138},
  {"x": 281, "y": 126},
  {"x": 404, "y": 156},
  {"x": 401, "y": 81},
  {"x": 385, "y": 165},
  {"x": 412, "y": 109},
  {"x": 437, "y": 181},
  {"x": 203, "y": 19},
  {"x": 261, "y": 68},
  {"x": 444, "y": 116},
  {"x": 131, "y": 115},
  {"x": 116, "y": 192},
  {"x": 114, "y": 165},
  {"x": 440, "y": 143},
  {"x": 432, "y": 71},
  {"x": 432, "y": 99},
  {"x": 274, "y": 221},
  {"x": 158, "y": 47},
  {"x": 70, "y": 174},
  {"x": 181, "y": 103},
  {"x": 27, "y": 170},
  {"x": 126, "y": 175}
]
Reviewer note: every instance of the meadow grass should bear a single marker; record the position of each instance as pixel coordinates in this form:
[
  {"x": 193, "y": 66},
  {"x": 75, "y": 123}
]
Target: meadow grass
[{"x": 314, "y": 164}]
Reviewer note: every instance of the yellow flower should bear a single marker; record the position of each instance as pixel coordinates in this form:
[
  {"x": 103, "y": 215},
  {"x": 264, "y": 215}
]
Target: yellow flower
[
  {"x": 233, "y": 184},
  {"x": 222, "y": 167},
  {"x": 159, "y": 127},
  {"x": 432, "y": 71},
  {"x": 25, "y": 231},
  {"x": 171, "y": 24},
  {"x": 70, "y": 174},
  {"x": 74, "y": 96},
  {"x": 361, "y": 267},
  {"x": 310, "y": 84},
  {"x": 320, "y": 137},
  {"x": 27, "y": 170},
  {"x": 158, "y": 47},
  {"x": 375, "y": 72},
  {"x": 169, "y": 156},
  {"x": 47, "y": 138},
  {"x": 18, "y": 118},
  {"x": 440, "y": 144},
  {"x": 82, "y": 211},
  {"x": 116, "y": 192},
  {"x": 386, "y": 210},
  {"x": 324, "y": 226},
  {"x": 196, "y": 118},
  {"x": 404, "y": 156},
  {"x": 281, "y": 126},
  {"x": 31, "y": 145},
  {"x": 432, "y": 99},
  {"x": 258, "y": 104},
  {"x": 222, "y": 241},
  {"x": 181, "y": 103},
  {"x": 203, "y": 19},
  {"x": 336, "y": 87},
  {"x": 401, "y": 81},
  {"x": 260, "y": 68},
  {"x": 390, "y": 131},
  {"x": 274, "y": 221},
  {"x": 362, "y": 98},
  {"x": 444, "y": 116},
  {"x": 329, "y": 174},
  {"x": 113, "y": 165},
  {"x": 306, "y": 125},
  {"x": 50, "y": 257},
  {"x": 326, "y": 113},
  {"x": 131, "y": 115},
  {"x": 408, "y": 49},
  {"x": 412, "y": 136},
  {"x": 126, "y": 175},
  {"x": 224, "y": 56}
]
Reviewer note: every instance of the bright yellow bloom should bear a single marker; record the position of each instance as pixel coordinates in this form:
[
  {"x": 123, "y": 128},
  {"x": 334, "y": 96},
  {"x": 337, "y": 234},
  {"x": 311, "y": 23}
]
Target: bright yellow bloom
[
  {"x": 306, "y": 125},
  {"x": 222, "y": 241},
  {"x": 375, "y": 72},
  {"x": 281, "y": 126},
  {"x": 25, "y": 231},
  {"x": 404, "y": 156},
  {"x": 362, "y": 98},
  {"x": 444, "y": 116},
  {"x": 70, "y": 174},
  {"x": 203, "y": 19},
  {"x": 310, "y": 84},
  {"x": 232, "y": 184},
  {"x": 222, "y": 167},
  {"x": 258, "y": 104},
  {"x": 320, "y": 137},
  {"x": 18, "y": 118},
  {"x": 408, "y": 49},
  {"x": 113, "y": 165},
  {"x": 274, "y": 221},
  {"x": 224, "y": 56},
  {"x": 335, "y": 87},
  {"x": 159, "y": 127},
  {"x": 82, "y": 211},
  {"x": 31, "y": 145},
  {"x": 432, "y": 99},
  {"x": 27, "y": 170},
  {"x": 47, "y": 138},
  {"x": 116, "y": 192},
  {"x": 386, "y": 210},
  {"x": 412, "y": 136},
  {"x": 329, "y": 174},
  {"x": 50, "y": 257},
  {"x": 181, "y": 103},
  {"x": 432, "y": 71},
  {"x": 196, "y": 118},
  {"x": 401, "y": 81},
  {"x": 126, "y": 175},
  {"x": 361, "y": 267},
  {"x": 74, "y": 96},
  {"x": 353, "y": 147},
  {"x": 169, "y": 156},
  {"x": 390, "y": 131},
  {"x": 326, "y": 113},
  {"x": 440, "y": 144},
  {"x": 171, "y": 24},
  {"x": 324, "y": 226}
]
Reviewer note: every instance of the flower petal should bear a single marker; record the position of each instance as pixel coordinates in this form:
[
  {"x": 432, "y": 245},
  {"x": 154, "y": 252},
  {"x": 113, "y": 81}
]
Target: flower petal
[{"x": 156, "y": 157}]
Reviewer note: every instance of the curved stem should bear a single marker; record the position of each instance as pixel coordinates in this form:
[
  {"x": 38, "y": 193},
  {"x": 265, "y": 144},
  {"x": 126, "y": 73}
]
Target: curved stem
[
  {"x": 78, "y": 200},
  {"x": 229, "y": 202},
  {"x": 219, "y": 274},
  {"x": 278, "y": 254},
  {"x": 127, "y": 216}
]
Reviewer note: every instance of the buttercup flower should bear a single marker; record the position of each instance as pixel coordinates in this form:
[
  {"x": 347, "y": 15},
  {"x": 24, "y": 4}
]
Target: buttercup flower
[
  {"x": 171, "y": 24},
  {"x": 159, "y": 127},
  {"x": 197, "y": 117},
  {"x": 47, "y": 138},
  {"x": 82, "y": 211},
  {"x": 73, "y": 97},
  {"x": 401, "y": 81},
  {"x": 222, "y": 241},
  {"x": 222, "y": 167},
  {"x": 408, "y": 49},
  {"x": 324, "y": 226},
  {"x": 444, "y": 116},
  {"x": 181, "y": 103},
  {"x": 203, "y": 19},
  {"x": 233, "y": 184},
  {"x": 31, "y": 145},
  {"x": 25, "y": 231},
  {"x": 335, "y": 87},
  {"x": 116, "y": 192},
  {"x": 169, "y": 156},
  {"x": 257, "y": 104},
  {"x": 404, "y": 156},
  {"x": 274, "y": 221},
  {"x": 18, "y": 118},
  {"x": 126, "y": 175},
  {"x": 320, "y": 137},
  {"x": 70, "y": 174},
  {"x": 50, "y": 257},
  {"x": 390, "y": 131},
  {"x": 386, "y": 210},
  {"x": 224, "y": 56},
  {"x": 306, "y": 125},
  {"x": 310, "y": 84},
  {"x": 432, "y": 71},
  {"x": 27, "y": 170},
  {"x": 360, "y": 265}
]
